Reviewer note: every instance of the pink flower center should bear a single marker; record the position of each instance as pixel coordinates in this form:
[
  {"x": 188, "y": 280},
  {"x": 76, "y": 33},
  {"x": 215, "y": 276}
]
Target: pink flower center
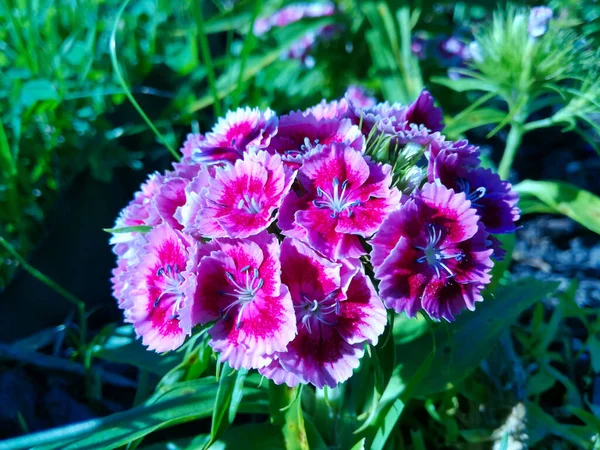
[
  {"x": 473, "y": 196},
  {"x": 434, "y": 256},
  {"x": 244, "y": 288},
  {"x": 171, "y": 278},
  {"x": 336, "y": 199},
  {"x": 324, "y": 311}
]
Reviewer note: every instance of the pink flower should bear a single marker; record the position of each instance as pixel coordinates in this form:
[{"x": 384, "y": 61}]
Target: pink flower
[
  {"x": 346, "y": 197},
  {"x": 239, "y": 201},
  {"x": 157, "y": 289},
  {"x": 337, "y": 109},
  {"x": 171, "y": 196},
  {"x": 336, "y": 314},
  {"x": 359, "y": 97},
  {"x": 140, "y": 211},
  {"x": 240, "y": 131},
  {"x": 300, "y": 132},
  {"x": 239, "y": 287},
  {"x": 493, "y": 198},
  {"x": 433, "y": 254},
  {"x": 456, "y": 154}
]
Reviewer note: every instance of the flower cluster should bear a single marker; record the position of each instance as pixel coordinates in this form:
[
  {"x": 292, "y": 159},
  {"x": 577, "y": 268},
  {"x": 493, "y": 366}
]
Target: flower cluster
[{"x": 267, "y": 228}]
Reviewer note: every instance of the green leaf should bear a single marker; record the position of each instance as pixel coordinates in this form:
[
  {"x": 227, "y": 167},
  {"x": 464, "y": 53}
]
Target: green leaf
[
  {"x": 36, "y": 91},
  {"x": 540, "y": 424},
  {"x": 182, "y": 402},
  {"x": 469, "y": 340},
  {"x": 122, "y": 347},
  {"x": 563, "y": 198},
  {"x": 406, "y": 329},
  {"x": 593, "y": 344},
  {"x": 286, "y": 411},
  {"x": 465, "y": 84},
  {"x": 227, "y": 401},
  {"x": 474, "y": 119},
  {"x": 135, "y": 229}
]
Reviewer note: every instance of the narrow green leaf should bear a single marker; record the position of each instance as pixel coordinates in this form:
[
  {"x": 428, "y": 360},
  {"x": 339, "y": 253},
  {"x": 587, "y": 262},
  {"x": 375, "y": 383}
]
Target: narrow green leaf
[
  {"x": 286, "y": 411},
  {"x": 474, "y": 119},
  {"x": 578, "y": 204},
  {"x": 228, "y": 398},
  {"x": 465, "y": 84},
  {"x": 134, "y": 229}
]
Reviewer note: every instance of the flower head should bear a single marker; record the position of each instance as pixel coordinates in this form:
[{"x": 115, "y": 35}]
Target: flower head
[
  {"x": 336, "y": 312},
  {"x": 300, "y": 132},
  {"x": 240, "y": 130},
  {"x": 493, "y": 198},
  {"x": 239, "y": 200},
  {"x": 432, "y": 254},
  {"x": 157, "y": 289},
  {"x": 346, "y": 196},
  {"x": 239, "y": 287}
]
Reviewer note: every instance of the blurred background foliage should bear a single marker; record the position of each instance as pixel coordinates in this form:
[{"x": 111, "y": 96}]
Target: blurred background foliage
[{"x": 73, "y": 149}]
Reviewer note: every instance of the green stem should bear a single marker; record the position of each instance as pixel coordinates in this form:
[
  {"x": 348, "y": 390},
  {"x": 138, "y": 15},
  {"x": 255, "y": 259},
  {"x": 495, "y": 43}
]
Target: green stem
[
  {"x": 250, "y": 38},
  {"x": 286, "y": 411},
  {"x": 80, "y": 304},
  {"x": 515, "y": 137},
  {"x": 542, "y": 123},
  {"x": 206, "y": 57},
  {"x": 121, "y": 80}
]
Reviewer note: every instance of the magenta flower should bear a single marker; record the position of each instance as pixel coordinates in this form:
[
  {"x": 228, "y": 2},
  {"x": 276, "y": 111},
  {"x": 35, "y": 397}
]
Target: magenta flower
[
  {"x": 299, "y": 133},
  {"x": 239, "y": 201},
  {"x": 336, "y": 314},
  {"x": 156, "y": 290},
  {"x": 432, "y": 254},
  {"x": 456, "y": 154},
  {"x": 240, "y": 130},
  {"x": 493, "y": 198},
  {"x": 140, "y": 211},
  {"x": 346, "y": 197},
  {"x": 171, "y": 196},
  {"x": 239, "y": 286}
]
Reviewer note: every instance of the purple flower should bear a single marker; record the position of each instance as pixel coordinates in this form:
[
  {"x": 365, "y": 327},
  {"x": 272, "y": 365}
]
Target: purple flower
[
  {"x": 239, "y": 201},
  {"x": 299, "y": 133},
  {"x": 337, "y": 310},
  {"x": 345, "y": 196},
  {"x": 418, "y": 122},
  {"x": 539, "y": 18},
  {"x": 153, "y": 288},
  {"x": 239, "y": 286},
  {"x": 432, "y": 254},
  {"x": 240, "y": 131},
  {"x": 493, "y": 198}
]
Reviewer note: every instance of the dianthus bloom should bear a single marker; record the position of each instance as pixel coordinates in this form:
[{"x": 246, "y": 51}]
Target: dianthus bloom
[
  {"x": 239, "y": 200},
  {"x": 240, "y": 130},
  {"x": 157, "y": 287},
  {"x": 432, "y": 254},
  {"x": 345, "y": 197},
  {"x": 539, "y": 18},
  {"x": 239, "y": 286},
  {"x": 337, "y": 310}
]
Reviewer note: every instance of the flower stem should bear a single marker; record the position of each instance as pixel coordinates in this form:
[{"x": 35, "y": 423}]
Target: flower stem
[
  {"x": 286, "y": 411},
  {"x": 515, "y": 137}
]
